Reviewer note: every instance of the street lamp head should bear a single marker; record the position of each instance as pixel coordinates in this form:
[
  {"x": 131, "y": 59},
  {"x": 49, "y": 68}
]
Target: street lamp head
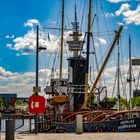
[{"x": 42, "y": 48}]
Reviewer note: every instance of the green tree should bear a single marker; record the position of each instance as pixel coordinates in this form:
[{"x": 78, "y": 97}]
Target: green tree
[
  {"x": 124, "y": 103},
  {"x": 136, "y": 101},
  {"x": 19, "y": 103}
]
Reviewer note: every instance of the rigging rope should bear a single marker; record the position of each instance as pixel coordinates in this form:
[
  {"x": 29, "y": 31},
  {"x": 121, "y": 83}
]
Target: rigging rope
[
  {"x": 67, "y": 15},
  {"x": 98, "y": 30},
  {"x": 95, "y": 54},
  {"x": 83, "y": 15},
  {"x": 106, "y": 26}
]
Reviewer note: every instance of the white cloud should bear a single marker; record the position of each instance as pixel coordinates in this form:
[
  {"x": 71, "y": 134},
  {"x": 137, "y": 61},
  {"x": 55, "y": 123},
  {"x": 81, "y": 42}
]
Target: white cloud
[
  {"x": 9, "y": 45},
  {"x": 124, "y": 7},
  {"x": 117, "y": 1},
  {"x": 129, "y": 16},
  {"x": 26, "y": 44},
  {"x": 15, "y": 78},
  {"x": 22, "y": 83},
  {"x": 109, "y": 15},
  {"x": 3, "y": 72},
  {"x": 31, "y": 23},
  {"x": 120, "y": 23},
  {"x": 109, "y": 75},
  {"x": 132, "y": 16},
  {"x": 18, "y": 54},
  {"x": 8, "y": 36},
  {"x": 102, "y": 41}
]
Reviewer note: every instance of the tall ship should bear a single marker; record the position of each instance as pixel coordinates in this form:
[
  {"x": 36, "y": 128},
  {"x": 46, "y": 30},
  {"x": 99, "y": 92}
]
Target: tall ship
[{"x": 70, "y": 97}]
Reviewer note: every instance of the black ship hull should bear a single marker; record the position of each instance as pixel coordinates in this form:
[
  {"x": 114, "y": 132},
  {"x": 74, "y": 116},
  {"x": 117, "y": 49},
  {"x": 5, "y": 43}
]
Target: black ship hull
[{"x": 125, "y": 125}]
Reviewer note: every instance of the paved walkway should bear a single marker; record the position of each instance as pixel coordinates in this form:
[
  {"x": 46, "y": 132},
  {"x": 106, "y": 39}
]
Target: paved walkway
[{"x": 85, "y": 136}]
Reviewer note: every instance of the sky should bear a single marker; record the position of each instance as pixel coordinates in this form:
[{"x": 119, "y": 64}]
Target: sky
[{"x": 18, "y": 37}]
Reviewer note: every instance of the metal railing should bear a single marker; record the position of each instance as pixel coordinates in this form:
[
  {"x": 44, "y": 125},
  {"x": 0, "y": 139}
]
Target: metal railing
[{"x": 22, "y": 124}]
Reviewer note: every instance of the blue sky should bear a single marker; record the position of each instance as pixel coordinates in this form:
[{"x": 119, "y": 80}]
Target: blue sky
[
  {"x": 14, "y": 14},
  {"x": 19, "y": 17}
]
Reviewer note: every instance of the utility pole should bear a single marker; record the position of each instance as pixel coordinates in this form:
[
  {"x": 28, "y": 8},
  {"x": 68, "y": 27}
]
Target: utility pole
[{"x": 37, "y": 89}]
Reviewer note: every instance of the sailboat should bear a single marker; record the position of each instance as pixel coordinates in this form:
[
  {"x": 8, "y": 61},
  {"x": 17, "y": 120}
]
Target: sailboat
[{"x": 71, "y": 96}]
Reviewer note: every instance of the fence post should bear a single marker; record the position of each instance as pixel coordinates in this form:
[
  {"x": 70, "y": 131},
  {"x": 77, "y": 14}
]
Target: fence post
[{"x": 10, "y": 128}]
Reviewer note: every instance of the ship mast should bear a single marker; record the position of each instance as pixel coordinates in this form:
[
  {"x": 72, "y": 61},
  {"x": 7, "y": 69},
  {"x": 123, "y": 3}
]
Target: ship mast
[
  {"x": 84, "y": 106},
  {"x": 87, "y": 53},
  {"x": 75, "y": 45},
  {"x": 62, "y": 39},
  {"x": 130, "y": 74},
  {"x": 118, "y": 94},
  {"x": 76, "y": 66}
]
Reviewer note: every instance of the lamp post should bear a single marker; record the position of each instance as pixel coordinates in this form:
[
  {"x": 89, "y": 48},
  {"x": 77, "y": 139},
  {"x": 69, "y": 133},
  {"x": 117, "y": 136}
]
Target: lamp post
[{"x": 37, "y": 89}]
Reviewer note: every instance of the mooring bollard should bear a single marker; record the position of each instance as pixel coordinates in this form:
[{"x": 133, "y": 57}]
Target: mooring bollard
[
  {"x": 10, "y": 128},
  {"x": 79, "y": 124},
  {"x": 30, "y": 124}
]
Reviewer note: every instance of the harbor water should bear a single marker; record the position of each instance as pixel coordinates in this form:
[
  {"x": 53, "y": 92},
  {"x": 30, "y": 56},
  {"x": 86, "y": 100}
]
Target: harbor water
[{"x": 20, "y": 125}]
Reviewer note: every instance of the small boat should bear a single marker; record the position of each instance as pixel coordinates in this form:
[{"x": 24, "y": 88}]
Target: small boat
[{"x": 57, "y": 100}]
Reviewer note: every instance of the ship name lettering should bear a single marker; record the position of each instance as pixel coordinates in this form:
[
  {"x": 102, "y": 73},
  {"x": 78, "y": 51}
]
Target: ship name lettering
[
  {"x": 127, "y": 122},
  {"x": 127, "y": 126}
]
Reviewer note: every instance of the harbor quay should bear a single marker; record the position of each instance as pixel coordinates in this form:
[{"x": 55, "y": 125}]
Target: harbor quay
[{"x": 74, "y": 136}]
